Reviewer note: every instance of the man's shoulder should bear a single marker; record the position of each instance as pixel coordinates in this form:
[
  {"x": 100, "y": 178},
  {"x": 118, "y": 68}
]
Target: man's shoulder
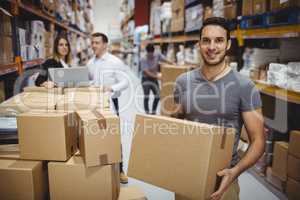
[
  {"x": 114, "y": 58},
  {"x": 242, "y": 80}
]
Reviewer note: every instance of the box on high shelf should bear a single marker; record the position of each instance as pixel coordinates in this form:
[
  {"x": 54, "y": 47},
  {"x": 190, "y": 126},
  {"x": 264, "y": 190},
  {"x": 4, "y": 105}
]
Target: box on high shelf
[
  {"x": 259, "y": 6},
  {"x": 247, "y": 7},
  {"x": 177, "y": 22},
  {"x": 6, "y": 50},
  {"x": 230, "y": 11},
  {"x": 281, "y": 4},
  {"x": 5, "y": 24}
]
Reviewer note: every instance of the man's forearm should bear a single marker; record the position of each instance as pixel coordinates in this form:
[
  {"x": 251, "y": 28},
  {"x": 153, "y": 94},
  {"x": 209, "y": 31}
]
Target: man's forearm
[{"x": 253, "y": 154}]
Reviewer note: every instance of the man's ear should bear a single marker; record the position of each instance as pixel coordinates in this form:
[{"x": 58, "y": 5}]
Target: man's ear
[{"x": 228, "y": 44}]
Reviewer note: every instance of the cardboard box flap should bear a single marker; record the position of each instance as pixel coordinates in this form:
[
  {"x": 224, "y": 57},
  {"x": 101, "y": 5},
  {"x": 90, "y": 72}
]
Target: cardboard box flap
[{"x": 99, "y": 137}]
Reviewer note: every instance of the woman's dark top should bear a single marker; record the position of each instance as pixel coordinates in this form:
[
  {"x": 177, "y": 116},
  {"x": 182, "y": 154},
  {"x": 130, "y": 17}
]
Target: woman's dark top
[{"x": 43, "y": 76}]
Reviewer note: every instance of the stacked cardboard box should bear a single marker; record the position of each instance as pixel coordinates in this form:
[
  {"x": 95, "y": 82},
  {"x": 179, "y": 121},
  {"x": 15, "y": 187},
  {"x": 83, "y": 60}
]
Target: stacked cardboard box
[
  {"x": 277, "y": 174},
  {"x": 83, "y": 98},
  {"x": 230, "y": 11},
  {"x": 195, "y": 152},
  {"x": 177, "y": 23},
  {"x": 27, "y": 101},
  {"x": 6, "y": 48},
  {"x": 54, "y": 136},
  {"x": 293, "y": 166},
  {"x": 279, "y": 4},
  {"x": 259, "y": 6},
  {"x": 169, "y": 75},
  {"x": 247, "y": 8}
]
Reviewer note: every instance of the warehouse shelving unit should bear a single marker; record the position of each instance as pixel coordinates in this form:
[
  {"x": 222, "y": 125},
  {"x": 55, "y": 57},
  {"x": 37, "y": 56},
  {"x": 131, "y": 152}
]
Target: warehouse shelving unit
[{"x": 18, "y": 8}]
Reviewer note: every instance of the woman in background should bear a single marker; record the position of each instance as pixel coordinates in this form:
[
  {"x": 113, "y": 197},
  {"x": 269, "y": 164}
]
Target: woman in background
[{"x": 61, "y": 59}]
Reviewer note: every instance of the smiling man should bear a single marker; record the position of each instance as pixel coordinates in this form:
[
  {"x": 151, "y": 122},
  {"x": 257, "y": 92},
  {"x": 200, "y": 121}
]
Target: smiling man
[{"x": 216, "y": 94}]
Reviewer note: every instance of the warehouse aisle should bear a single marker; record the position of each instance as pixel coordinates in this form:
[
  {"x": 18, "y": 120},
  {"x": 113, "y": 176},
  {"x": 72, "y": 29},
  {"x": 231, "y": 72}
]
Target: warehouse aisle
[{"x": 130, "y": 104}]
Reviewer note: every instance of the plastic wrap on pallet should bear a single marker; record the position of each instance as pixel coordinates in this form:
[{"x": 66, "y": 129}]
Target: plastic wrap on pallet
[
  {"x": 218, "y": 8},
  {"x": 155, "y": 26},
  {"x": 259, "y": 57},
  {"x": 193, "y": 18},
  {"x": 293, "y": 68}
]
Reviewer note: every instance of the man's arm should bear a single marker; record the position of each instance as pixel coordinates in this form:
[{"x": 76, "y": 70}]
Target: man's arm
[
  {"x": 254, "y": 123},
  {"x": 151, "y": 74},
  {"x": 122, "y": 78}
]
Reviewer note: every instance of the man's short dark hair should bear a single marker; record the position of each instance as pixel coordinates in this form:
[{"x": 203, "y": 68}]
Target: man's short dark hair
[
  {"x": 150, "y": 48},
  {"x": 102, "y": 35},
  {"x": 219, "y": 21}
]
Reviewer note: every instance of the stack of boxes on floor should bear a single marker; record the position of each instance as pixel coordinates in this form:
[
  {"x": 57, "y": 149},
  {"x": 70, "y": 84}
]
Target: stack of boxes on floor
[
  {"x": 47, "y": 160},
  {"x": 6, "y": 48},
  {"x": 285, "y": 171}
]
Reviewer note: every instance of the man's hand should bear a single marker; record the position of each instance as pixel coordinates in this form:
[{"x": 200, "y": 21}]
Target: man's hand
[
  {"x": 228, "y": 176},
  {"x": 48, "y": 84},
  {"x": 158, "y": 76}
]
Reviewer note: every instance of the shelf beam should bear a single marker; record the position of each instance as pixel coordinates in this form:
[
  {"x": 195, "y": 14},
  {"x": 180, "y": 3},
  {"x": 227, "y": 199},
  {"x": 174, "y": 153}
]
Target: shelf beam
[{"x": 277, "y": 92}]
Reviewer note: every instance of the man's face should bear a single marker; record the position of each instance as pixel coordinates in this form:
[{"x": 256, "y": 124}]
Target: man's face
[
  {"x": 213, "y": 45},
  {"x": 98, "y": 46}
]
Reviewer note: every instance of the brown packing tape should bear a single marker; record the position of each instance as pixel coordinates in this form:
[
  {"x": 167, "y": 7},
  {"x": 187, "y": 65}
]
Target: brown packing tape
[
  {"x": 101, "y": 119},
  {"x": 224, "y": 134}
]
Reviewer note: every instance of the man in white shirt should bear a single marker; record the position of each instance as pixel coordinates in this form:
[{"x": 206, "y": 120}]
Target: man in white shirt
[{"x": 108, "y": 71}]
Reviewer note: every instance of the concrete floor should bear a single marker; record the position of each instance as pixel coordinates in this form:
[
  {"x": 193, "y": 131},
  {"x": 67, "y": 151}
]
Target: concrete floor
[{"x": 131, "y": 102}]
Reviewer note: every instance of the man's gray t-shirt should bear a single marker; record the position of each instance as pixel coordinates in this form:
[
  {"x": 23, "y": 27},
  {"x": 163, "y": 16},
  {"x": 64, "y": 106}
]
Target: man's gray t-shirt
[
  {"x": 220, "y": 102},
  {"x": 152, "y": 64}
]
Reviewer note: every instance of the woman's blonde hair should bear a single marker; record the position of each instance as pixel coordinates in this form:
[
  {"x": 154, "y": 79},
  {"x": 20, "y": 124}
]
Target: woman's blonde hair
[{"x": 55, "y": 49}]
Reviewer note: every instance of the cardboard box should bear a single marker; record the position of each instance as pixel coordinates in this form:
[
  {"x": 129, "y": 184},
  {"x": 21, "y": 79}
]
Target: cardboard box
[
  {"x": 6, "y": 50},
  {"x": 247, "y": 7},
  {"x": 169, "y": 75},
  {"x": 99, "y": 138},
  {"x": 27, "y": 101},
  {"x": 259, "y": 6},
  {"x": 208, "y": 12},
  {"x": 72, "y": 180},
  {"x": 177, "y": 22},
  {"x": 274, "y": 180},
  {"x": 294, "y": 144},
  {"x": 10, "y": 151},
  {"x": 230, "y": 11},
  {"x": 131, "y": 193},
  {"x": 178, "y": 155},
  {"x": 293, "y": 168},
  {"x": 292, "y": 189},
  {"x": 23, "y": 180},
  {"x": 43, "y": 90},
  {"x": 83, "y": 99},
  {"x": 281, "y": 4},
  {"x": 47, "y": 135},
  {"x": 280, "y": 158},
  {"x": 5, "y": 24}
]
